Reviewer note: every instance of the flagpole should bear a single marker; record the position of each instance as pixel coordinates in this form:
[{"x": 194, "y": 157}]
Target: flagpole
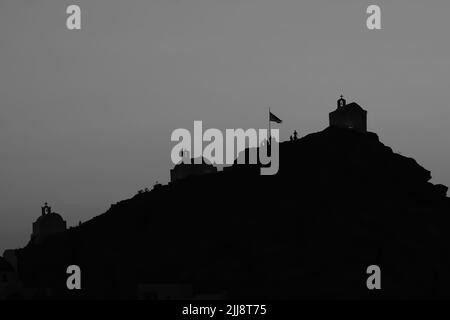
[{"x": 270, "y": 129}]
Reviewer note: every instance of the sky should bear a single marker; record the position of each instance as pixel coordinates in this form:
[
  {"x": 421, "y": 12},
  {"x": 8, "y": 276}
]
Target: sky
[{"x": 86, "y": 115}]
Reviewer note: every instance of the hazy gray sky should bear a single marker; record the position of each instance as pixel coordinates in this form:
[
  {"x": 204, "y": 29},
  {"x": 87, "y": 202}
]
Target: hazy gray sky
[{"x": 86, "y": 116}]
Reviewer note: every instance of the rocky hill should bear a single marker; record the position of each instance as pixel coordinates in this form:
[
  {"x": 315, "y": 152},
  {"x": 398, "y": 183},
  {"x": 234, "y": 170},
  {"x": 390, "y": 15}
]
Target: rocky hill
[{"x": 340, "y": 202}]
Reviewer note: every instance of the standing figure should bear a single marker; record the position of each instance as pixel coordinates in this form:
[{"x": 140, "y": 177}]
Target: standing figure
[{"x": 295, "y": 135}]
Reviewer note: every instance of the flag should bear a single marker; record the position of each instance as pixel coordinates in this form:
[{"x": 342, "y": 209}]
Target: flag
[{"x": 274, "y": 118}]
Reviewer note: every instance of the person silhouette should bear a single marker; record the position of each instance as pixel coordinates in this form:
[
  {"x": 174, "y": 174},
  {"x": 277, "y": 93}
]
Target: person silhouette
[
  {"x": 295, "y": 135},
  {"x": 290, "y": 138}
]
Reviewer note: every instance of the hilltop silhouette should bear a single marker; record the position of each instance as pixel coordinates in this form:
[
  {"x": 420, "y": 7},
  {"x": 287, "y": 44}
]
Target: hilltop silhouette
[{"x": 340, "y": 202}]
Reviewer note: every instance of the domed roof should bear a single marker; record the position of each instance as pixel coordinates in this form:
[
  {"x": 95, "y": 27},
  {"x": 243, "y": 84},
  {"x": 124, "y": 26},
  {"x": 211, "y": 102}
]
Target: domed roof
[
  {"x": 50, "y": 217},
  {"x": 203, "y": 161},
  {"x": 5, "y": 266}
]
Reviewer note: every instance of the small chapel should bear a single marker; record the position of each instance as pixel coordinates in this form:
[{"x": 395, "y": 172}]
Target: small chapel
[
  {"x": 47, "y": 224},
  {"x": 350, "y": 116},
  {"x": 187, "y": 167}
]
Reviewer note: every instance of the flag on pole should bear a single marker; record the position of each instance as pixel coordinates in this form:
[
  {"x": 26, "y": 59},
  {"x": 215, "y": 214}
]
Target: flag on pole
[{"x": 274, "y": 118}]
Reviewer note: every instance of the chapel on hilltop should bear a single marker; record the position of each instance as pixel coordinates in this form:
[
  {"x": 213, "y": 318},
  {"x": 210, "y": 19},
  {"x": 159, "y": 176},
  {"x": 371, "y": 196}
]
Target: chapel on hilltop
[
  {"x": 47, "y": 224},
  {"x": 187, "y": 167},
  {"x": 350, "y": 116}
]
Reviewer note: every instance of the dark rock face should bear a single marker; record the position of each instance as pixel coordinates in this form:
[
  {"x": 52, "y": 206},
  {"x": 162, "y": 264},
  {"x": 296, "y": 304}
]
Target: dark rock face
[
  {"x": 340, "y": 202},
  {"x": 5, "y": 266}
]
